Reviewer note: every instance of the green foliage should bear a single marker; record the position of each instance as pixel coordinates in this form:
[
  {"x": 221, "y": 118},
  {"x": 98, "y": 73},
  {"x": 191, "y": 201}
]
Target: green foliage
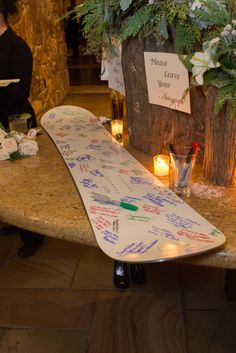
[
  {"x": 186, "y": 38},
  {"x": 214, "y": 12},
  {"x": 15, "y": 156},
  {"x": 94, "y": 26},
  {"x": 217, "y": 78},
  {"x": 226, "y": 94},
  {"x": 106, "y": 23},
  {"x": 137, "y": 22},
  {"x": 125, "y": 4},
  {"x": 226, "y": 88}
]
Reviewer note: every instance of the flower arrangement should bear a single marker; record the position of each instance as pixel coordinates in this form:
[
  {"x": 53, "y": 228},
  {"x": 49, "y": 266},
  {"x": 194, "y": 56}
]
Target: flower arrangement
[
  {"x": 15, "y": 145},
  {"x": 203, "y": 33}
]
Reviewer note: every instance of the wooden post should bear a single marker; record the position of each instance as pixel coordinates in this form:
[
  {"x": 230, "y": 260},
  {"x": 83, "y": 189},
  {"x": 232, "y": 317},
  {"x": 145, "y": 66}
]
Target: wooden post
[
  {"x": 220, "y": 143},
  {"x": 152, "y": 127}
]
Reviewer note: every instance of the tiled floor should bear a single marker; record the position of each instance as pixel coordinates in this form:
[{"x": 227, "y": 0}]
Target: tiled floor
[{"x": 62, "y": 299}]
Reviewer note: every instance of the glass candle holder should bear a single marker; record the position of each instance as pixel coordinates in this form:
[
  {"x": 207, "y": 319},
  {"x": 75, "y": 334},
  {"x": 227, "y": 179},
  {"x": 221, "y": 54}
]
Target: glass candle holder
[
  {"x": 117, "y": 129},
  {"x": 17, "y": 123},
  {"x": 161, "y": 165}
]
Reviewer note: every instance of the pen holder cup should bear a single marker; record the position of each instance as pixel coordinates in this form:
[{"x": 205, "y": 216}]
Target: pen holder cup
[{"x": 181, "y": 166}]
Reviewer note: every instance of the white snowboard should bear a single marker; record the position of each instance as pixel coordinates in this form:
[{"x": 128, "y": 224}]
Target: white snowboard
[{"x": 135, "y": 218}]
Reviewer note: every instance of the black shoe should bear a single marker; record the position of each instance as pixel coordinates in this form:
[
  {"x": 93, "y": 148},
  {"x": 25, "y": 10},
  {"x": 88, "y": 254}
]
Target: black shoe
[
  {"x": 8, "y": 230},
  {"x": 137, "y": 272},
  {"x": 121, "y": 275},
  {"x": 28, "y": 250}
]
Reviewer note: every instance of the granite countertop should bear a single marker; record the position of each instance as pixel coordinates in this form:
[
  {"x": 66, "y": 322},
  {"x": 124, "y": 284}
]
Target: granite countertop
[{"x": 38, "y": 194}]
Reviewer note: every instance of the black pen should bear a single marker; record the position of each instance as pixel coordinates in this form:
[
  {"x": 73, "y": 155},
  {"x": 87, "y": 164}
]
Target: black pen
[
  {"x": 189, "y": 158},
  {"x": 171, "y": 148},
  {"x": 174, "y": 154}
]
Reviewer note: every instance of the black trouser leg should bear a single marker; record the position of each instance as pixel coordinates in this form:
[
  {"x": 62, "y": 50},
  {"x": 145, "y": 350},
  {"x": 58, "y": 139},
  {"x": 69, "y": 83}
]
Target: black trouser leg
[
  {"x": 121, "y": 275},
  {"x": 32, "y": 242},
  {"x": 230, "y": 284},
  {"x": 138, "y": 274}
]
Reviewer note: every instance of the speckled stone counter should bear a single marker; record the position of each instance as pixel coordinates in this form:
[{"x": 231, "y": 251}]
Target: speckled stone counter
[{"x": 38, "y": 194}]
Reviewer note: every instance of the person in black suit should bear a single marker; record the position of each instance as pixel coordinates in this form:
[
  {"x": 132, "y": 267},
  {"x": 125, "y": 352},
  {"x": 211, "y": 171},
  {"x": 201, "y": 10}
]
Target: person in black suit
[
  {"x": 72, "y": 33},
  {"x": 16, "y": 61}
]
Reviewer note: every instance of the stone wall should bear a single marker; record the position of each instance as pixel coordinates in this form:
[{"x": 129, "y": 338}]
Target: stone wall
[{"x": 37, "y": 22}]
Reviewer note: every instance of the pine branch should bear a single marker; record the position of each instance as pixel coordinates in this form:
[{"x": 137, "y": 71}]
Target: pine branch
[
  {"x": 187, "y": 36},
  {"x": 225, "y": 95},
  {"x": 214, "y": 12},
  {"x": 134, "y": 25}
]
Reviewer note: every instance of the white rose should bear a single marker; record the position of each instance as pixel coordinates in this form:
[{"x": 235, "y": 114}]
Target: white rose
[
  {"x": 28, "y": 147},
  {"x": 31, "y": 135},
  {"x": 18, "y": 136},
  {"x": 9, "y": 145},
  {"x": 3, "y": 134},
  {"x": 4, "y": 155}
]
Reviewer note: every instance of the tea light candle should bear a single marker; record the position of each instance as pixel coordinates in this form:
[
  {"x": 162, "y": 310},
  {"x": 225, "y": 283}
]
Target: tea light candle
[
  {"x": 161, "y": 165},
  {"x": 116, "y": 128}
]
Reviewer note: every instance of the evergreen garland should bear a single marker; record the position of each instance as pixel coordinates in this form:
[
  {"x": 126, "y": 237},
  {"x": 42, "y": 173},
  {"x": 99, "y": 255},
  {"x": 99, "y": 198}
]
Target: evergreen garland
[
  {"x": 187, "y": 37},
  {"x": 136, "y": 24},
  {"x": 226, "y": 94},
  {"x": 108, "y": 22}
]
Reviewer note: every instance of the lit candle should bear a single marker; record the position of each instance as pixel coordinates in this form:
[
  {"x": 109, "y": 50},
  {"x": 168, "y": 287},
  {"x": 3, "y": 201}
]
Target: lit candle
[
  {"x": 161, "y": 165},
  {"x": 117, "y": 128}
]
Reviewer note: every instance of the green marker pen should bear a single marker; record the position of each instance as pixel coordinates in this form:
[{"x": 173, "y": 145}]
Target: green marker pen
[
  {"x": 128, "y": 206},
  {"x": 124, "y": 205}
]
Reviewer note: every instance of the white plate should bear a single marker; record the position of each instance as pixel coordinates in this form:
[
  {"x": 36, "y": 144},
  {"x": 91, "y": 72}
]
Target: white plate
[{"x": 5, "y": 83}]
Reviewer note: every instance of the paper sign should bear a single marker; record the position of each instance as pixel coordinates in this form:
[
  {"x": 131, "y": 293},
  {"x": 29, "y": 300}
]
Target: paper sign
[
  {"x": 167, "y": 80},
  {"x": 112, "y": 71}
]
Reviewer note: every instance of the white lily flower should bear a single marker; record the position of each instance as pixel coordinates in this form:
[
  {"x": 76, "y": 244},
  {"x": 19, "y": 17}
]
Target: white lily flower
[
  {"x": 9, "y": 145},
  {"x": 203, "y": 62},
  {"x": 28, "y": 147},
  {"x": 31, "y": 134},
  {"x": 214, "y": 41},
  {"x": 210, "y": 45},
  {"x": 18, "y": 136}
]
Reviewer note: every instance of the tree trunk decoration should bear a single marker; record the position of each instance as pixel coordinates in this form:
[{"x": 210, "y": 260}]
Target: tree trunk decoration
[
  {"x": 220, "y": 143},
  {"x": 152, "y": 127}
]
